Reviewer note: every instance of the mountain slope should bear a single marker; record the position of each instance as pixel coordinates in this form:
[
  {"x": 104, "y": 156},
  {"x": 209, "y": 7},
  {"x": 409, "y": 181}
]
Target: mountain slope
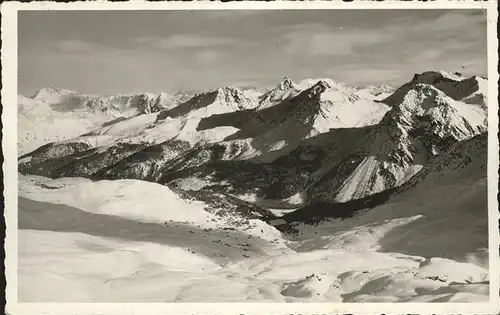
[{"x": 447, "y": 199}]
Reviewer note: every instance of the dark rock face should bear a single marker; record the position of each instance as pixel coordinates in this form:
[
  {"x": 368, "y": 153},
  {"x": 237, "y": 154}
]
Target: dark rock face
[
  {"x": 96, "y": 161},
  {"x": 56, "y": 150},
  {"x": 75, "y": 159},
  {"x": 456, "y": 157},
  {"x": 145, "y": 164},
  {"x": 48, "y": 158}
]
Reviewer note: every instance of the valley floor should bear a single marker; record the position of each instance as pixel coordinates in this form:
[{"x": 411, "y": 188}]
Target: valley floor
[{"x": 132, "y": 241}]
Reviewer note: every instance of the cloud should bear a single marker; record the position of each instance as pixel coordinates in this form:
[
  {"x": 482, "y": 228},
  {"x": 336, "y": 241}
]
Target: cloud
[
  {"x": 185, "y": 41},
  {"x": 453, "y": 29},
  {"x": 208, "y": 56},
  {"x": 463, "y": 20},
  {"x": 208, "y": 48},
  {"x": 327, "y": 41},
  {"x": 76, "y": 46}
]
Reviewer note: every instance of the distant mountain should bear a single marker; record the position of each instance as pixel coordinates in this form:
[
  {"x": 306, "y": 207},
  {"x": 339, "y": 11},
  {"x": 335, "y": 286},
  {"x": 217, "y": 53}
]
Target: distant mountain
[
  {"x": 114, "y": 105},
  {"x": 54, "y": 114},
  {"x": 38, "y": 123},
  {"x": 380, "y": 91},
  {"x": 52, "y": 95}
]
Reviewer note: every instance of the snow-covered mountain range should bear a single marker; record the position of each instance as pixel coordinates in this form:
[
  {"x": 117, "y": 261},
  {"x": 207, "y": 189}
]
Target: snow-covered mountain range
[
  {"x": 314, "y": 170},
  {"x": 363, "y": 145}
]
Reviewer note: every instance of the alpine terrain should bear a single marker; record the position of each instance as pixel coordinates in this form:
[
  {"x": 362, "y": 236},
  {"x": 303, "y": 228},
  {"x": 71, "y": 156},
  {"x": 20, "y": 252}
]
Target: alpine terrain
[{"x": 310, "y": 191}]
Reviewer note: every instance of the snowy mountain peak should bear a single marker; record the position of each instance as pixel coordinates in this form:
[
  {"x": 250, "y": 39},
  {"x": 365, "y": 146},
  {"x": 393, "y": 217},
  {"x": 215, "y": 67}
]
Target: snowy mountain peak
[
  {"x": 49, "y": 93},
  {"x": 285, "y": 84},
  {"x": 150, "y": 102},
  {"x": 230, "y": 94},
  {"x": 452, "y": 86},
  {"x": 234, "y": 97},
  {"x": 429, "y": 113},
  {"x": 324, "y": 84},
  {"x": 284, "y": 90},
  {"x": 229, "y": 90},
  {"x": 319, "y": 88}
]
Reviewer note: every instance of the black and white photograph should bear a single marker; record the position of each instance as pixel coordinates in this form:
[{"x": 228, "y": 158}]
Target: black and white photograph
[{"x": 254, "y": 156}]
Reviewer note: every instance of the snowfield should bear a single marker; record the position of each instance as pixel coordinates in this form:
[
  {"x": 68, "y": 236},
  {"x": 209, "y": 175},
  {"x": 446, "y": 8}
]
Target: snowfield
[{"x": 130, "y": 241}]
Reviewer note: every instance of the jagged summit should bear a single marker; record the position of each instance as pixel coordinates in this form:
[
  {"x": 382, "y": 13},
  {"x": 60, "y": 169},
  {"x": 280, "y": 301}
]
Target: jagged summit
[
  {"x": 456, "y": 89},
  {"x": 319, "y": 88},
  {"x": 449, "y": 118},
  {"x": 230, "y": 90},
  {"x": 287, "y": 89},
  {"x": 283, "y": 91},
  {"x": 285, "y": 84},
  {"x": 433, "y": 117},
  {"x": 310, "y": 82},
  {"x": 234, "y": 97}
]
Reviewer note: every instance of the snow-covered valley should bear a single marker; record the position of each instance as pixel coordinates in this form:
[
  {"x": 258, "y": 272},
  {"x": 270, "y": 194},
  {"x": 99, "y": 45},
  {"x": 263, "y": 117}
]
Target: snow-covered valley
[{"x": 313, "y": 191}]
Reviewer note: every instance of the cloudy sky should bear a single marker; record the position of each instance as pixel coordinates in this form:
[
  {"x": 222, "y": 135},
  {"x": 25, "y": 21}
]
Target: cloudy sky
[{"x": 106, "y": 52}]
